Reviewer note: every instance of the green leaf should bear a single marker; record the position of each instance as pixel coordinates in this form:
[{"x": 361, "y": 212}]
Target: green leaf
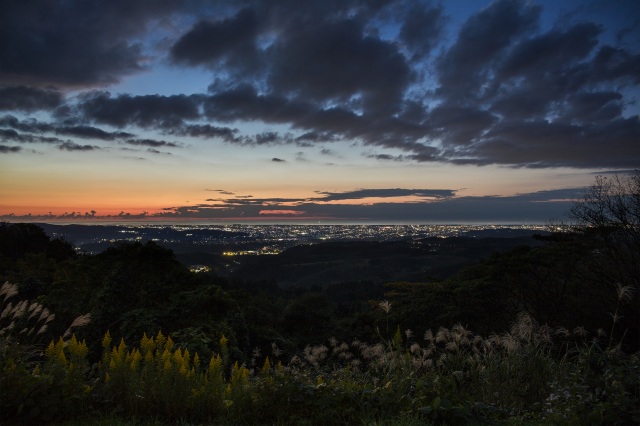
[
  {"x": 446, "y": 404},
  {"x": 425, "y": 410},
  {"x": 436, "y": 403}
]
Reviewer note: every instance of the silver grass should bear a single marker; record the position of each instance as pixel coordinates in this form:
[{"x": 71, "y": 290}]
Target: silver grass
[
  {"x": 459, "y": 330},
  {"x": 345, "y": 355},
  {"x": 544, "y": 333},
  {"x": 524, "y": 326},
  {"x": 8, "y": 290},
  {"x": 442, "y": 335},
  {"x": 256, "y": 352},
  {"x": 615, "y": 317},
  {"x": 580, "y": 331},
  {"x": 20, "y": 309},
  {"x": 6, "y": 311},
  {"x": 625, "y": 293},
  {"x": 343, "y": 347},
  {"x": 509, "y": 342},
  {"x": 275, "y": 350},
  {"x": 451, "y": 346},
  {"x": 80, "y": 321},
  {"x": 385, "y": 305},
  {"x": 35, "y": 311},
  {"x": 428, "y": 336},
  {"x": 44, "y": 314}
]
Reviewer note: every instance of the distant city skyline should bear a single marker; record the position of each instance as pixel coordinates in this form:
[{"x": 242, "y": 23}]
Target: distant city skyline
[
  {"x": 256, "y": 239},
  {"x": 392, "y": 111}
]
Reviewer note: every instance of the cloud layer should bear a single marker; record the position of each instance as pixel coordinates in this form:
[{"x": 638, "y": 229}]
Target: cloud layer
[
  {"x": 503, "y": 89},
  {"x": 362, "y": 205}
]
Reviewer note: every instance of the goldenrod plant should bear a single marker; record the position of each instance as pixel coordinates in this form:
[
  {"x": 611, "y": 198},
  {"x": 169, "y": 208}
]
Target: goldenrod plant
[
  {"x": 452, "y": 376},
  {"x": 39, "y": 385}
]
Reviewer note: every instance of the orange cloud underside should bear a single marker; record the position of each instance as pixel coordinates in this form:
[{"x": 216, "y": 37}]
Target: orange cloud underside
[
  {"x": 379, "y": 200},
  {"x": 281, "y": 212}
]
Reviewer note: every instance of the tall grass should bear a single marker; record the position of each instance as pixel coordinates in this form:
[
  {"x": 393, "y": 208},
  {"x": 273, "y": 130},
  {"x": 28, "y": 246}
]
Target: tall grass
[{"x": 532, "y": 373}]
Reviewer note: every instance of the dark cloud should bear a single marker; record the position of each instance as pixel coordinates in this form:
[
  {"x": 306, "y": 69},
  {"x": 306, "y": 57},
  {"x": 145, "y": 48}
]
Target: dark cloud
[
  {"x": 278, "y": 160},
  {"x": 31, "y": 125},
  {"x": 155, "y": 151},
  {"x": 549, "y": 52},
  {"x": 75, "y": 43},
  {"x": 384, "y": 193},
  {"x": 248, "y": 200},
  {"x": 385, "y": 157},
  {"x": 206, "y": 131},
  {"x": 337, "y": 61},
  {"x": 550, "y": 144},
  {"x": 71, "y": 146},
  {"x": 533, "y": 99},
  {"x": 387, "y": 74},
  {"x": 592, "y": 107},
  {"x": 245, "y": 103},
  {"x": 152, "y": 143},
  {"x": 89, "y": 132},
  {"x": 325, "y": 196},
  {"x": 5, "y": 149},
  {"x": 266, "y": 138},
  {"x": 482, "y": 40},
  {"x": 221, "y": 191},
  {"x": 422, "y": 28},
  {"x": 321, "y": 124},
  {"x": 28, "y": 99},
  {"x": 312, "y": 137},
  {"x": 142, "y": 111},
  {"x": 613, "y": 64},
  {"x": 10, "y": 135},
  {"x": 85, "y": 132},
  {"x": 231, "y": 40},
  {"x": 459, "y": 125}
]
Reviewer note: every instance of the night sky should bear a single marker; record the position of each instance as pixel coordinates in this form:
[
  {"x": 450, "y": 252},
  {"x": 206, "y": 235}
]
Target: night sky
[{"x": 334, "y": 110}]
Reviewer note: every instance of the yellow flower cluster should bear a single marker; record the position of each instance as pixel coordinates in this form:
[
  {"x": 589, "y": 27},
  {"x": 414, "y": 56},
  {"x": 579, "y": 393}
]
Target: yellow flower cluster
[
  {"x": 69, "y": 354},
  {"x": 158, "y": 374},
  {"x": 155, "y": 353},
  {"x": 159, "y": 360}
]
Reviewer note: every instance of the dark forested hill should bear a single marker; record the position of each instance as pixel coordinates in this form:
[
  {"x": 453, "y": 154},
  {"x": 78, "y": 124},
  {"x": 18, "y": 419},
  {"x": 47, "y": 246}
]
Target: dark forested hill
[{"x": 332, "y": 262}]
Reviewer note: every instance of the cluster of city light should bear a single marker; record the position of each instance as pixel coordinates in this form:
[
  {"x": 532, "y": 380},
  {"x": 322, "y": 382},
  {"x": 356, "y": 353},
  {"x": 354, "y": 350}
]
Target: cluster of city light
[
  {"x": 259, "y": 252},
  {"x": 276, "y": 238}
]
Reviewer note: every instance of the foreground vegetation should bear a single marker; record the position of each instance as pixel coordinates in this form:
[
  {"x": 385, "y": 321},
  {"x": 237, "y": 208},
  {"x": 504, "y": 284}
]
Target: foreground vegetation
[
  {"x": 138, "y": 339},
  {"x": 531, "y": 374}
]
